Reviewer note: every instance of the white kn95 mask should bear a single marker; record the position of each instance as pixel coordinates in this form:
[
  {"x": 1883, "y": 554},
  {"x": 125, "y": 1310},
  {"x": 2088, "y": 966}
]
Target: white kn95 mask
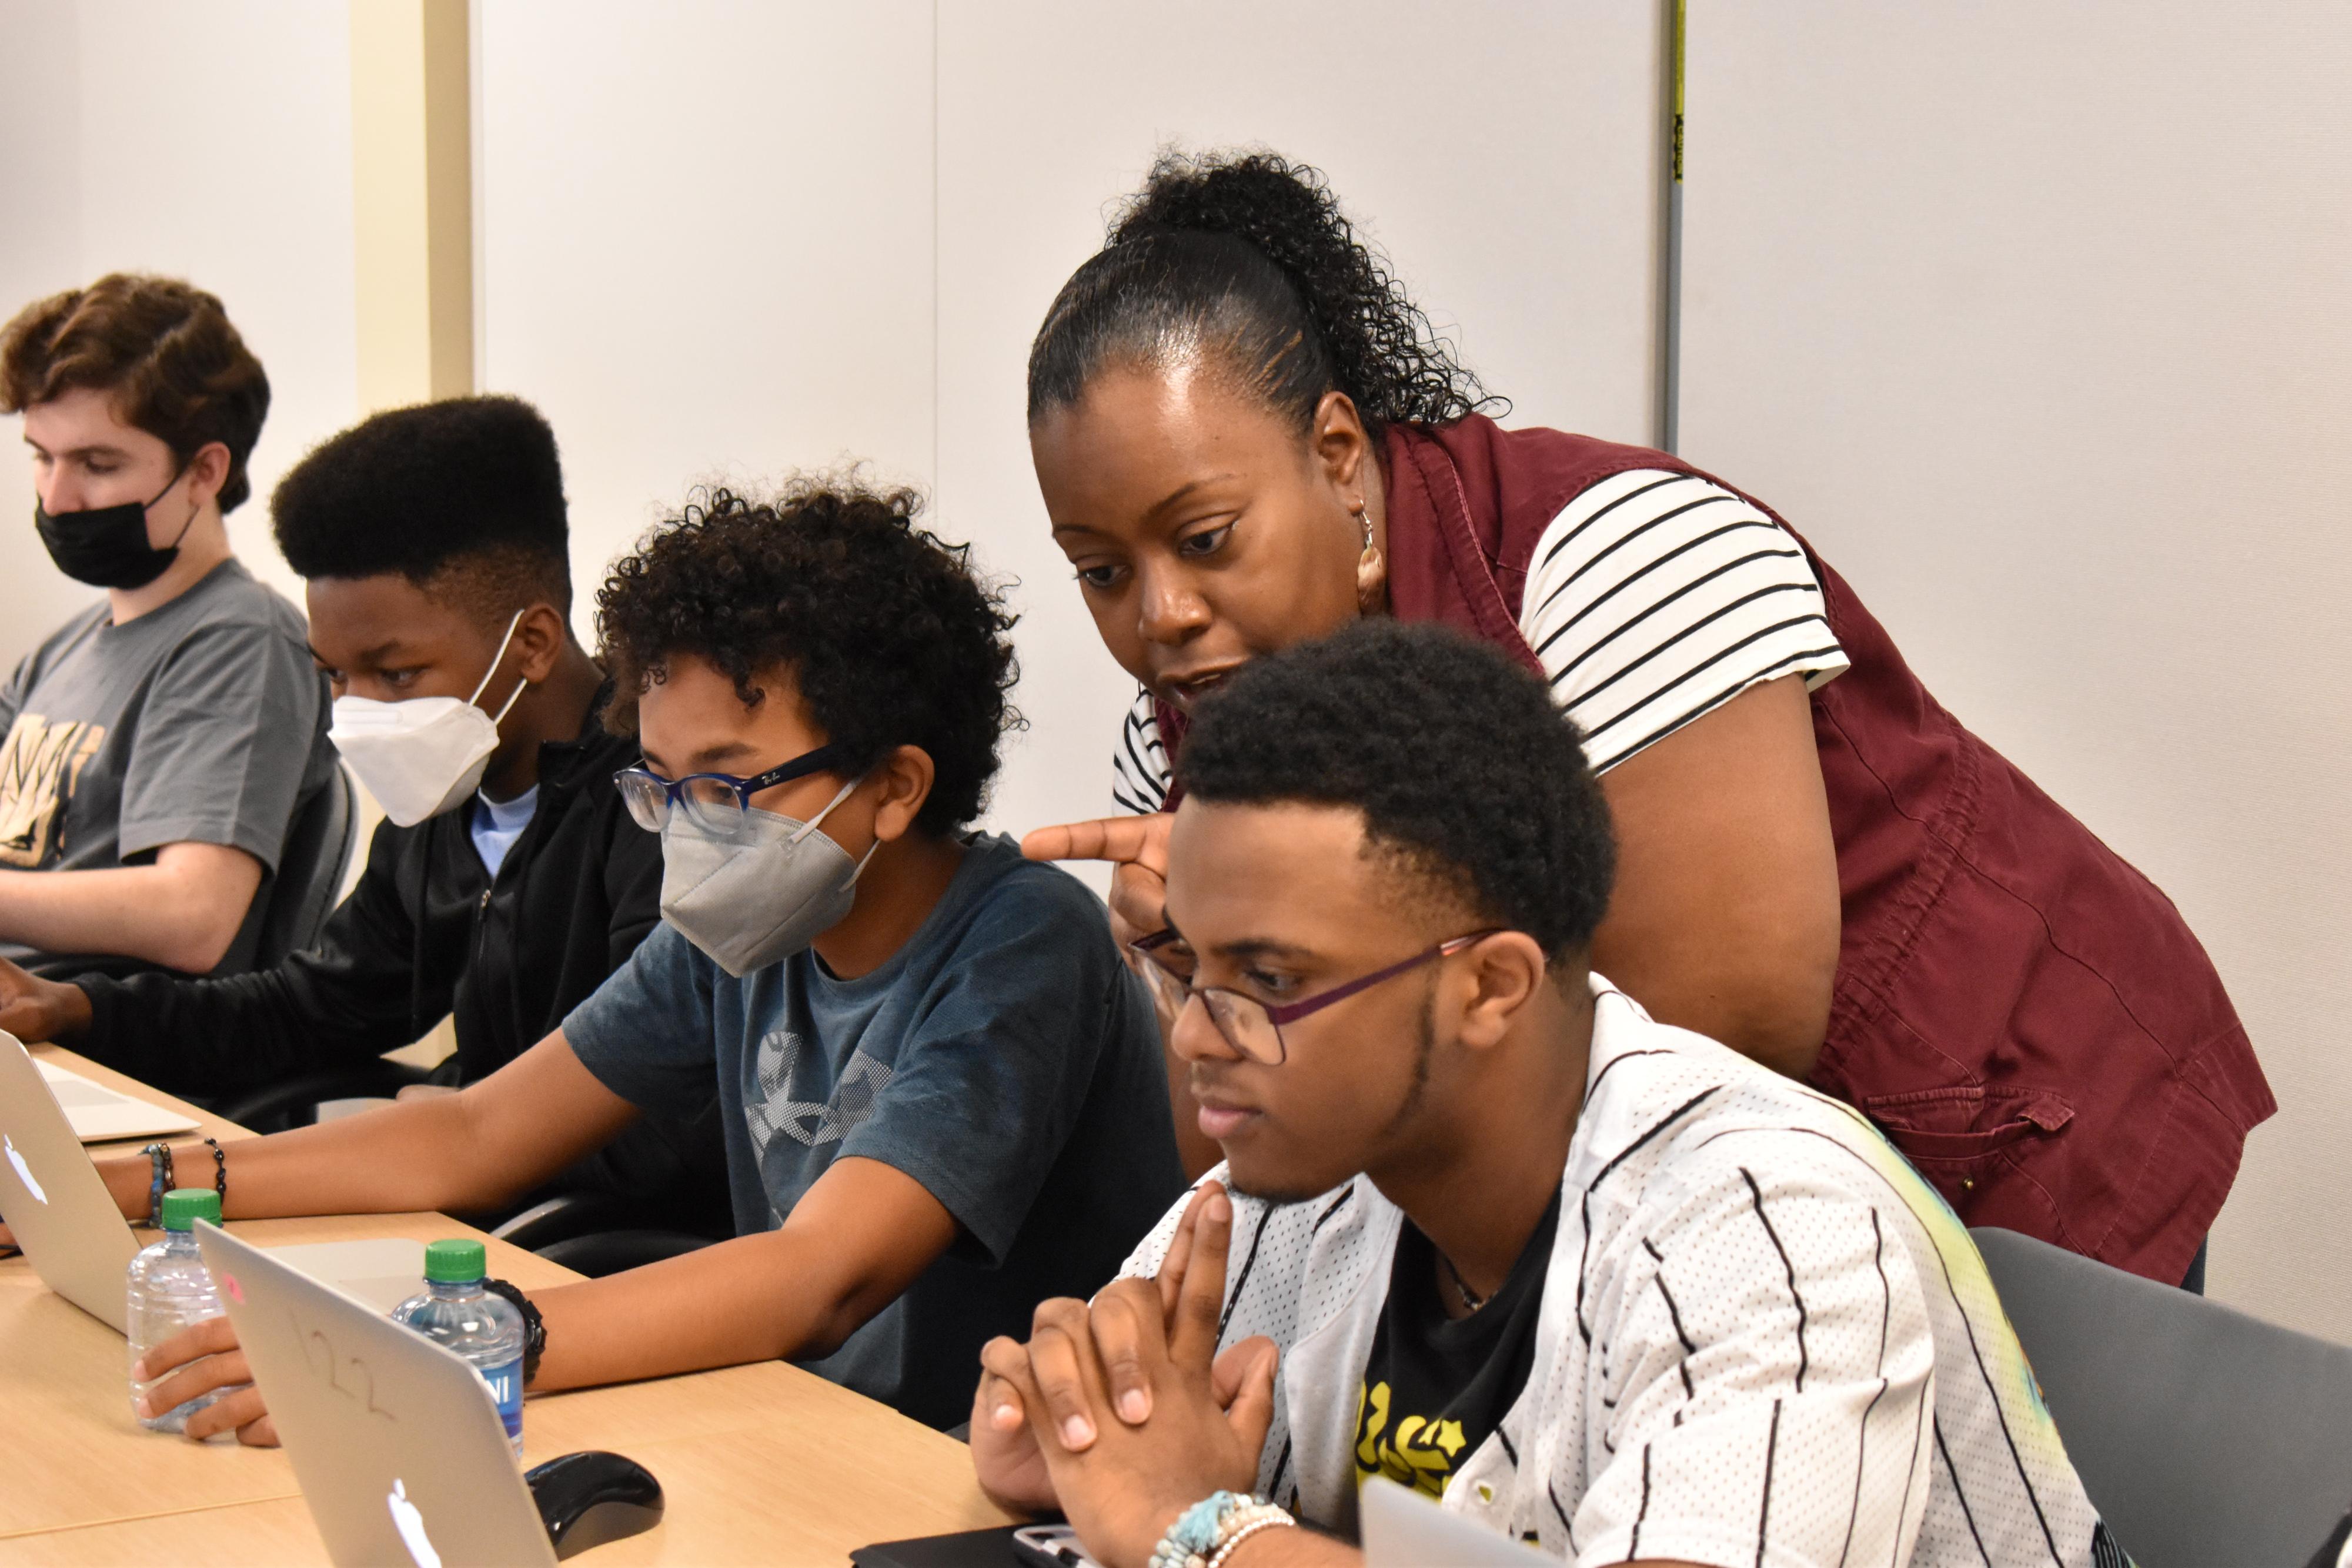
[{"x": 422, "y": 757}]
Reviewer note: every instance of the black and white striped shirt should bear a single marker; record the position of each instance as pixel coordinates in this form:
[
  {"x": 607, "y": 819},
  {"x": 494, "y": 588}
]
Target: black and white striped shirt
[
  {"x": 1763, "y": 1340},
  {"x": 1651, "y": 600}
]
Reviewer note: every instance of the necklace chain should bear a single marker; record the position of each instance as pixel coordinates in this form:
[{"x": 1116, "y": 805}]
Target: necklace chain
[{"x": 1471, "y": 1300}]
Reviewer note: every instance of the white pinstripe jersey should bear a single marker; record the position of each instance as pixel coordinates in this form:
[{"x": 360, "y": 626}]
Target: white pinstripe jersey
[{"x": 1763, "y": 1341}]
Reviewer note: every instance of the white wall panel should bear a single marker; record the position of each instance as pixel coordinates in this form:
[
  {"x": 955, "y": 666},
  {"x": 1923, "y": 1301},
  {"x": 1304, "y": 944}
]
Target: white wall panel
[
  {"x": 208, "y": 142},
  {"x": 1504, "y": 155},
  {"x": 2034, "y": 318},
  {"x": 40, "y": 132},
  {"x": 704, "y": 233},
  {"x": 708, "y": 244}
]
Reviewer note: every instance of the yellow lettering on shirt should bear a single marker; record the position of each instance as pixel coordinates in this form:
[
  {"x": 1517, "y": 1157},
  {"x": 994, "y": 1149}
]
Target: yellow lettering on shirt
[{"x": 1419, "y": 1452}]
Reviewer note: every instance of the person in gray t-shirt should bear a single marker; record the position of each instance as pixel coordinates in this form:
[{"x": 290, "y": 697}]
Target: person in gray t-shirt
[{"x": 159, "y": 746}]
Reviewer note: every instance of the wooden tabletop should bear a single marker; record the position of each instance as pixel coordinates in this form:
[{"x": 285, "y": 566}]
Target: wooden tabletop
[{"x": 762, "y": 1463}]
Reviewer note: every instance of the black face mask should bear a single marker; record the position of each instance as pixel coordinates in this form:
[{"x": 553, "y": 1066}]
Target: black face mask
[{"x": 106, "y": 547}]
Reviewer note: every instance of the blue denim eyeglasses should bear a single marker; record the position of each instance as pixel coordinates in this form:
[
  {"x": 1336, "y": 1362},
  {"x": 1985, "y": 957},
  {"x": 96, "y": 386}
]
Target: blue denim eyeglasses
[{"x": 713, "y": 801}]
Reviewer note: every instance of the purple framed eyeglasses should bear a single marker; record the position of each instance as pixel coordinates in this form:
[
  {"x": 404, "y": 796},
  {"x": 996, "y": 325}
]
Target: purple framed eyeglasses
[{"x": 1254, "y": 1027}]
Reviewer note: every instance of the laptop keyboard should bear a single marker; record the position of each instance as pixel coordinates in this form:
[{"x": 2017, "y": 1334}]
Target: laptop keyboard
[{"x": 77, "y": 1091}]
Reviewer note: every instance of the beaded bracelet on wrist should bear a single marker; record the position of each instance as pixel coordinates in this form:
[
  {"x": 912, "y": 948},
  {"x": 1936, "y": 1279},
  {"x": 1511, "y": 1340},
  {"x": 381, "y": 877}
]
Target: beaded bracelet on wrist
[
  {"x": 1195, "y": 1533},
  {"x": 220, "y": 1172},
  {"x": 159, "y": 1180},
  {"x": 1204, "y": 1533},
  {"x": 1266, "y": 1518}
]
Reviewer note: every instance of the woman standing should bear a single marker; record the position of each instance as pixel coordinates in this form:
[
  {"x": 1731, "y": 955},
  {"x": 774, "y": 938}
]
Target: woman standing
[{"x": 1246, "y": 435}]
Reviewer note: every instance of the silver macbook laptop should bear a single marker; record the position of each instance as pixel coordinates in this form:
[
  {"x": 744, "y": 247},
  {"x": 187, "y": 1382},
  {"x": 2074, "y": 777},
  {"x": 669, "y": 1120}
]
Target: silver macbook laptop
[
  {"x": 1403, "y": 1529},
  {"x": 99, "y": 1113},
  {"x": 56, "y": 1206},
  {"x": 395, "y": 1441}
]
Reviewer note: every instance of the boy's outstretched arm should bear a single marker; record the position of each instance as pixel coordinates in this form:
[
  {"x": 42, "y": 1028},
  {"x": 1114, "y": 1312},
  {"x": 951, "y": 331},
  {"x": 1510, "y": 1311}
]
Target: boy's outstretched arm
[
  {"x": 455, "y": 1153},
  {"x": 489, "y": 1142},
  {"x": 857, "y": 1238}
]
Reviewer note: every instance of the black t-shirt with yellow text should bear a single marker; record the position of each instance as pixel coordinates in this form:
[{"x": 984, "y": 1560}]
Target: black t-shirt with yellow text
[{"x": 1434, "y": 1387}]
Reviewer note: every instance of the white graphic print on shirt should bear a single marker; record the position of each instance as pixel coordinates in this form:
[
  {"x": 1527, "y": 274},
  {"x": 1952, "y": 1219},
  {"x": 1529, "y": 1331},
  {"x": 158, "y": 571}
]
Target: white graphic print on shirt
[{"x": 811, "y": 1121}]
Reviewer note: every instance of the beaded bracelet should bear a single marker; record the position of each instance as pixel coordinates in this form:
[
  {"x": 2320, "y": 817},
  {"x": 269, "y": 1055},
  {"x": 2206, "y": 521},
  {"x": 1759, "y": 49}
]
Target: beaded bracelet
[
  {"x": 1266, "y": 1518},
  {"x": 220, "y": 1172},
  {"x": 1195, "y": 1533},
  {"x": 159, "y": 1160},
  {"x": 1204, "y": 1533}
]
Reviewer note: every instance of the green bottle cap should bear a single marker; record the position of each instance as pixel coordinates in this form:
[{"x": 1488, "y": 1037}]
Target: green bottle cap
[
  {"x": 455, "y": 1262},
  {"x": 183, "y": 1205}
]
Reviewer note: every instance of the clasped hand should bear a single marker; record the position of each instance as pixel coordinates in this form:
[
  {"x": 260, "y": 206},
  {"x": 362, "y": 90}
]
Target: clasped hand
[{"x": 1120, "y": 1412}]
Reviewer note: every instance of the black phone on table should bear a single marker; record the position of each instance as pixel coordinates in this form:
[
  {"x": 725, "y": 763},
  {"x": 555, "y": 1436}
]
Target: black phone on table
[{"x": 1007, "y": 1546}]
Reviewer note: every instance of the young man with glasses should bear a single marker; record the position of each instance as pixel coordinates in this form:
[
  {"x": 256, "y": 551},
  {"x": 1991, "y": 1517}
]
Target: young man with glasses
[
  {"x": 508, "y": 882},
  {"x": 940, "y": 1087},
  {"x": 1485, "y": 1229}
]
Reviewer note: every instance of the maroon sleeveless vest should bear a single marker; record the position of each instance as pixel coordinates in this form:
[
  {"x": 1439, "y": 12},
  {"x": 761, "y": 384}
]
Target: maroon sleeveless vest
[{"x": 2026, "y": 1017}]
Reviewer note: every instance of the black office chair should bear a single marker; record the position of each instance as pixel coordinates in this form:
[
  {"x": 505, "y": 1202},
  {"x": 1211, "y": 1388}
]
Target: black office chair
[
  {"x": 2202, "y": 1436},
  {"x": 294, "y": 1102},
  {"x": 595, "y": 1234},
  {"x": 317, "y": 853}
]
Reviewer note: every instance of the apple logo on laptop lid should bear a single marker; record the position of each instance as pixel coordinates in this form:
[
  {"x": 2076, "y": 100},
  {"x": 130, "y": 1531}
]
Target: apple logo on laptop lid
[
  {"x": 24, "y": 1171},
  {"x": 409, "y": 1520}
]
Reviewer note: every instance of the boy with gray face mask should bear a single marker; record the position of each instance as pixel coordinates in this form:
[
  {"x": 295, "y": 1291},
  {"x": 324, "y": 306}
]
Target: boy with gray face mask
[{"x": 939, "y": 1085}]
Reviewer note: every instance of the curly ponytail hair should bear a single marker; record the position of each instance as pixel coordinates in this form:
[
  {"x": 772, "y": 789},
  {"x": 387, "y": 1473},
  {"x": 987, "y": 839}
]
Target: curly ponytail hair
[{"x": 1247, "y": 258}]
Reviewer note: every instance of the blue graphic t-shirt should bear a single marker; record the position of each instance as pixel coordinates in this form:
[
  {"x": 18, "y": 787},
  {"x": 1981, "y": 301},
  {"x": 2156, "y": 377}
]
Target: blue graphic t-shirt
[{"x": 1004, "y": 1058}]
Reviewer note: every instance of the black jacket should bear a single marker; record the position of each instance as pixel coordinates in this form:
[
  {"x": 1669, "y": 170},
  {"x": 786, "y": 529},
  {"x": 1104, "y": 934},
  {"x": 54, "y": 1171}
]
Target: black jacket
[{"x": 426, "y": 933}]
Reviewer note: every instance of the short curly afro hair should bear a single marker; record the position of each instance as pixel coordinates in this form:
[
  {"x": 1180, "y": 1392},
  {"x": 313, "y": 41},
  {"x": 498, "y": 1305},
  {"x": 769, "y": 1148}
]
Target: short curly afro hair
[
  {"x": 1468, "y": 777},
  {"x": 463, "y": 497},
  {"x": 891, "y": 636}
]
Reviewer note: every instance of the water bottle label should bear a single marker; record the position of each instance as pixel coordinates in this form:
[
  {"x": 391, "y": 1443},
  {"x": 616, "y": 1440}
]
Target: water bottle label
[{"x": 505, "y": 1383}]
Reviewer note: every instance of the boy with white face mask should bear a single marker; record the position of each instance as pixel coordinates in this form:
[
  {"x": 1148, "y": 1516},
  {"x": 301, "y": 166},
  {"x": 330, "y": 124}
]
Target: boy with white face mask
[
  {"x": 421, "y": 756},
  {"x": 508, "y": 881},
  {"x": 940, "y": 1087}
]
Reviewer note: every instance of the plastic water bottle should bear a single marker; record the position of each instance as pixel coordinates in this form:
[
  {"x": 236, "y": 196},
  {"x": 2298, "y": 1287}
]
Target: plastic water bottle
[
  {"x": 171, "y": 1289},
  {"x": 457, "y": 1313}
]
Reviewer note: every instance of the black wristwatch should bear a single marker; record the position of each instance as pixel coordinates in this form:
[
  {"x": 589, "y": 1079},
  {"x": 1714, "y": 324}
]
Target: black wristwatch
[{"x": 534, "y": 1327}]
